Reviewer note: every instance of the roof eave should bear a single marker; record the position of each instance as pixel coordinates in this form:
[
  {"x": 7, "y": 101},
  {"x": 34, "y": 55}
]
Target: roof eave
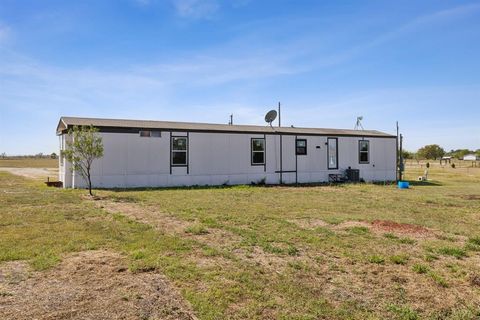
[{"x": 61, "y": 126}]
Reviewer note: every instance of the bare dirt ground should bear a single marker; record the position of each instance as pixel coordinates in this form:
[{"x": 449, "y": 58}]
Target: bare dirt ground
[
  {"x": 33, "y": 173},
  {"x": 144, "y": 214},
  {"x": 88, "y": 285}
]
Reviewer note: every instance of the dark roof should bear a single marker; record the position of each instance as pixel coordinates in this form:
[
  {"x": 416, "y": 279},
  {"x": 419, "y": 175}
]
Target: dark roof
[{"x": 122, "y": 124}]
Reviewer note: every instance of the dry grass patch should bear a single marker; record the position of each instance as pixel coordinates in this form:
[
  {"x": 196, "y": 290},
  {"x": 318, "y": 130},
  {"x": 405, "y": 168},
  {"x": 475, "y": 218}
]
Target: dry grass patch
[
  {"x": 89, "y": 285},
  {"x": 144, "y": 214},
  {"x": 309, "y": 223}
]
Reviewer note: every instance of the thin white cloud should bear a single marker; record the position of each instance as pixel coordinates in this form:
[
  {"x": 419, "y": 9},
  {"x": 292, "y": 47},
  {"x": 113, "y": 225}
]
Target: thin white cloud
[
  {"x": 207, "y": 71},
  {"x": 196, "y": 9},
  {"x": 143, "y": 2},
  {"x": 409, "y": 27},
  {"x": 4, "y": 33}
]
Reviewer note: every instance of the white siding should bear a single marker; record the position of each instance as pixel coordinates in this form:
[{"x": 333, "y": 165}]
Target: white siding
[{"x": 225, "y": 158}]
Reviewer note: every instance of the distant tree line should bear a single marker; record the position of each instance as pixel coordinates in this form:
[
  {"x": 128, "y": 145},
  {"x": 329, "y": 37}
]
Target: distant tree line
[
  {"x": 435, "y": 152},
  {"x": 40, "y": 155}
]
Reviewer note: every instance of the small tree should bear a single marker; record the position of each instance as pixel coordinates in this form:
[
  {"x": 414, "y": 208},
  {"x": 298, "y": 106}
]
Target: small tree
[
  {"x": 432, "y": 151},
  {"x": 84, "y": 147},
  {"x": 407, "y": 154}
]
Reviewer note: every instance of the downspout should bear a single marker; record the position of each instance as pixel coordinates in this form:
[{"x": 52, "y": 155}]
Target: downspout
[
  {"x": 73, "y": 167},
  {"x": 281, "y": 164},
  {"x": 296, "y": 160},
  {"x": 59, "y": 158}
]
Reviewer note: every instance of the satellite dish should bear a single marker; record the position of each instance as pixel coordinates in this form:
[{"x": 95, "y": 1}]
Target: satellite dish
[{"x": 270, "y": 116}]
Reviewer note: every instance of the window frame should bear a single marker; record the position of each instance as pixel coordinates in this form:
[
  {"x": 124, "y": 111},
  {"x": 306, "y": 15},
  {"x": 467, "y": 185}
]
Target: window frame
[
  {"x": 172, "y": 151},
  {"x": 328, "y": 153},
  {"x": 360, "y": 152},
  {"x": 150, "y": 134},
  {"x": 252, "y": 152},
  {"x": 296, "y": 147}
]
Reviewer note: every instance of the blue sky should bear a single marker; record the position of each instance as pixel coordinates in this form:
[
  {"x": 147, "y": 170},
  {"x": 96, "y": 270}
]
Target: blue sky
[{"x": 417, "y": 62}]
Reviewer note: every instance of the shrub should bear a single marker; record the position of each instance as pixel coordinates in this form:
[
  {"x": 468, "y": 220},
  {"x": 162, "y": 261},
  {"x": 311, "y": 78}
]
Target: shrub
[
  {"x": 472, "y": 247},
  {"x": 453, "y": 251},
  {"x": 399, "y": 259},
  {"x": 431, "y": 257},
  {"x": 403, "y": 312},
  {"x": 292, "y": 251},
  {"x": 139, "y": 254},
  {"x": 390, "y": 236},
  {"x": 376, "y": 259},
  {"x": 420, "y": 268},
  {"x": 438, "y": 279},
  {"x": 196, "y": 229},
  {"x": 475, "y": 240},
  {"x": 407, "y": 241},
  {"x": 359, "y": 230}
]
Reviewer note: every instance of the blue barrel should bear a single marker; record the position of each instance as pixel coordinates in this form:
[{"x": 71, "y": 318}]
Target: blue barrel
[{"x": 403, "y": 184}]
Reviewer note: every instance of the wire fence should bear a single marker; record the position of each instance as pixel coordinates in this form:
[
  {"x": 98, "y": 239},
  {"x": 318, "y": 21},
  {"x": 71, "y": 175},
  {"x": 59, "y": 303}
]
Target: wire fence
[{"x": 453, "y": 163}]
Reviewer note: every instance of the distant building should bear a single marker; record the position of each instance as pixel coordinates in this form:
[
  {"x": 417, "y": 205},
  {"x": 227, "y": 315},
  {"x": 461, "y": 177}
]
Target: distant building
[
  {"x": 446, "y": 159},
  {"x": 471, "y": 157}
]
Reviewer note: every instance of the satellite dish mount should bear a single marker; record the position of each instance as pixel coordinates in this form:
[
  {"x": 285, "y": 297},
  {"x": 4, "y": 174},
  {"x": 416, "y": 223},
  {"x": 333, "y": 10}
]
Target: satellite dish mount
[
  {"x": 270, "y": 116},
  {"x": 359, "y": 125}
]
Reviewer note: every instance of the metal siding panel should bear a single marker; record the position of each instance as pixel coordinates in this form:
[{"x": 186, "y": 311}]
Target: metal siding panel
[{"x": 133, "y": 161}]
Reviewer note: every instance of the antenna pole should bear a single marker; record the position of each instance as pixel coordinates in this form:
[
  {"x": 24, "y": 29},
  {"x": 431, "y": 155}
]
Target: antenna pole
[
  {"x": 279, "y": 116},
  {"x": 397, "y": 156}
]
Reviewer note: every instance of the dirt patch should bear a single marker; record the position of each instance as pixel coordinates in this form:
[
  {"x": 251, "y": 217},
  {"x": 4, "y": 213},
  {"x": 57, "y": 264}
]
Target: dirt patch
[
  {"x": 475, "y": 280},
  {"x": 269, "y": 261},
  {"x": 307, "y": 223},
  {"x": 146, "y": 215},
  {"x": 375, "y": 286},
  {"x": 169, "y": 224},
  {"x": 351, "y": 224},
  {"x": 471, "y": 197},
  {"x": 88, "y": 285},
  {"x": 405, "y": 228},
  {"x": 33, "y": 173},
  {"x": 12, "y": 272}
]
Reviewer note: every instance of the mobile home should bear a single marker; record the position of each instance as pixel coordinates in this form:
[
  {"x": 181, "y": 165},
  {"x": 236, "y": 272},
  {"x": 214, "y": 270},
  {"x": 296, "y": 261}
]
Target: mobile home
[
  {"x": 471, "y": 157},
  {"x": 141, "y": 153}
]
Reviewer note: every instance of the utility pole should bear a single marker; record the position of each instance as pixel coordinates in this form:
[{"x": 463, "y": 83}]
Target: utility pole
[
  {"x": 231, "y": 120},
  {"x": 281, "y": 145},
  {"x": 397, "y": 158},
  {"x": 401, "y": 157},
  {"x": 279, "y": 116}
]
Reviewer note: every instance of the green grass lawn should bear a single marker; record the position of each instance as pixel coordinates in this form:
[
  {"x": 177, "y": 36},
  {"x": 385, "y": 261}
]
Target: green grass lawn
[
  {"x": 249, "y": 252},
  {"x": 29, "y": 162}
]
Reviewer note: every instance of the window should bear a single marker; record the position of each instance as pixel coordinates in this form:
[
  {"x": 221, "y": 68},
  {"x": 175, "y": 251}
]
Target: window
[
  {"x": 258, "y": 151},
  {"x": 179, "y": 151},
  {"x": 301, "y": 146},
  {"x": 363, "y": 151},
  {"x": 147, "y": 133},
  {"x": 332, "y": 153}
]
